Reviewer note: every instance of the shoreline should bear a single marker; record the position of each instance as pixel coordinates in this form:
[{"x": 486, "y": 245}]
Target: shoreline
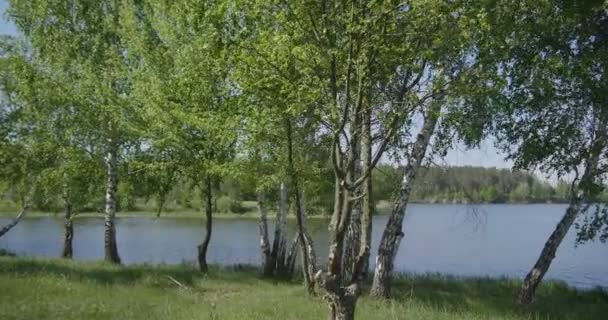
[{"x": 382, "y": 209}]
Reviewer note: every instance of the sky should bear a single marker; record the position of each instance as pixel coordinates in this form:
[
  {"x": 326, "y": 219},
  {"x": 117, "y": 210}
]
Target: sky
[
  {"x": 486, "y": 155},
  {"x": 5, "y": 27}
]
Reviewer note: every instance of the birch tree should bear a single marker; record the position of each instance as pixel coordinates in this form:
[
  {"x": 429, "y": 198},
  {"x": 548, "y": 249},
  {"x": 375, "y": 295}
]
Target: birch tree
[
  {"x": 38, "y": 115},
  {"x": 15, "y": 150},
  {"x": 182, "y": 76},
  {"x": 360, "y": 69},
  {"x": 452, "y": 37},
  {"x": 264, "y": 165},
  {"x": 81, "y": 40},
  {"x": 546, "y": 92},
  {"x": 393, "y": 234},
  {"x": 280, "y": 124},
  {"x": 25, "y": 153}
]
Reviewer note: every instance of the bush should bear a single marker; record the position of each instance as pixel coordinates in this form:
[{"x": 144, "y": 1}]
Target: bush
[
  {"x": 6, "y": 253},
  {"x": 225, "y": 204},
  {"x": 126, "y": 199}
]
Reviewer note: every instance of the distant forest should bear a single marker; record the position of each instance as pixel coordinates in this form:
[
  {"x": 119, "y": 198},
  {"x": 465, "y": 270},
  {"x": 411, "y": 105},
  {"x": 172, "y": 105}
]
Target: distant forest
[
  {"x": 471, "y": 185},
  {"x": 434, "y": 185},
  {"x": 439, "y": 185}
]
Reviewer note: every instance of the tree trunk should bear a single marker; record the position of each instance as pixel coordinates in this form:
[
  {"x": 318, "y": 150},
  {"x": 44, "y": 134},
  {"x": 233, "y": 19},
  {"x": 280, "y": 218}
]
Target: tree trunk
[
  {"x": 302, "y": 237},
  {"x": 267, "y": 263},
  {"x": 353, "y": 229},
  {"x": 13, "y": 223},
  {"x": 165, "y": 186},
  {"x": 312, "y": 258},
  {"x": 161, "y": 203},
  {"x": 308, "y": 267},
  {"x": 309, "y": 243},
  {"x": 292, "y": 255},
  {"x": 343, "y": 309},
  {"x": 389, "y": 245},
  {"x": 68, "y": 230},
  {"x": 343, "y": 291},
  {"x": 392, "y": 235},
  {"x": 203, "y": 247},
  {"x": 342, "y": 300},
  {"x": 367, "y": 203},
  {"x": 579, "y": 194},
  {"x": 352, "y": 244},
  {"x": 110, "y": 246},
  {"x": 311, "y": 265},
  {"x": 341, "y": 306},
  {"x": 279, "y": 246},
  {"x": 547, "y": 255}
]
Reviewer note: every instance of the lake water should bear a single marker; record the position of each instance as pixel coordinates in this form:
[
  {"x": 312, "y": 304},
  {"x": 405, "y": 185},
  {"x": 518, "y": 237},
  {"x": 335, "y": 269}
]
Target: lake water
[{"x": 479, "y": 240}]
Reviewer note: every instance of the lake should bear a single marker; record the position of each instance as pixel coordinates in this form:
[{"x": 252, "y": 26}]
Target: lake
[{"x": 466, "y": 240}]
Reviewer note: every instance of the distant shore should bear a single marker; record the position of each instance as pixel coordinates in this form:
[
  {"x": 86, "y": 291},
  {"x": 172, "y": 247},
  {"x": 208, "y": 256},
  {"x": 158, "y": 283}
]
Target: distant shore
[{"x": 382, "y": 208}]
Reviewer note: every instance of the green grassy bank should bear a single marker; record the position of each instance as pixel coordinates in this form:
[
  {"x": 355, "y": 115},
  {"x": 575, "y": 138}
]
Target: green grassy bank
[
  {"x": 56, "y": 289},
  {"x": 250, "y": 211}
]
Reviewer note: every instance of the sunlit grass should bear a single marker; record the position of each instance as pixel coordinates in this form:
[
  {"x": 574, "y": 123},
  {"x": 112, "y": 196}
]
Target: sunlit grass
[{"x": 58, "y": 289}]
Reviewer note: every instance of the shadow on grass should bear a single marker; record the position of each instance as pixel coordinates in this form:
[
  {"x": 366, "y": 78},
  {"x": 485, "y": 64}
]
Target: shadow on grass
[
  {"x": 153, "y": 275},
  {"x": 554, "y": 300}
]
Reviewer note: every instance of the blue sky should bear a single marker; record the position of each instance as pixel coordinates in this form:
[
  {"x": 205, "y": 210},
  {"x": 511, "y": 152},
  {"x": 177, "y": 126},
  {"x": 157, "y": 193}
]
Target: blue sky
[
  {"x": 5, "y": 27},
  {"x": 486, "y": 155}
]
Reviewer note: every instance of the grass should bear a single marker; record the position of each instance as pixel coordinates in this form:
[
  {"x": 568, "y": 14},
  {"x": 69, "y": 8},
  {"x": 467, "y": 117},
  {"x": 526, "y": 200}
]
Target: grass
[{"x": 59, "y": 289}]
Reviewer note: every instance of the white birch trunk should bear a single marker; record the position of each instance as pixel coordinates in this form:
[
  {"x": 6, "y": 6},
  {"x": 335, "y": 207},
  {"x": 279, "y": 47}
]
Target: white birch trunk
[
  {"x": 578, "y": 197},
  {"x": 15, "y": 221},
  {"x": 267, "y": 263},
  {"x": 392, "y": 235},
  {"x": 110, "y": 246}
]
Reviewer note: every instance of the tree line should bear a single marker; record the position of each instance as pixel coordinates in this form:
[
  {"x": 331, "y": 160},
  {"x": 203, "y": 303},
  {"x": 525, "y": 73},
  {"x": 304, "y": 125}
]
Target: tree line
[
  {"x": 286, "y": 95},
  {"x": 473, "y": 185},
  {"x": 140, "y": 191}
]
